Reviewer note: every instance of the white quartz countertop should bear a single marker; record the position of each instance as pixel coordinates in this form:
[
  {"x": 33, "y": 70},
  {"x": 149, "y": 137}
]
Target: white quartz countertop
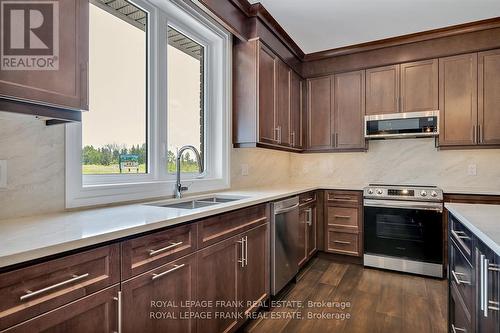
[
  {"x": 481, "y": 220},
  {"x": 28, "y": 238}
]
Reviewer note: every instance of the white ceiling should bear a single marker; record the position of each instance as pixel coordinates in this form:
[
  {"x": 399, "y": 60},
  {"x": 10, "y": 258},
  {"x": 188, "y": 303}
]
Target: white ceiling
[{"x": 317, "y": 25}]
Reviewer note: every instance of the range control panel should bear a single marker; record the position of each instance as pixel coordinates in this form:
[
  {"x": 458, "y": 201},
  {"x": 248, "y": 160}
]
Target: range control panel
[{"x": 403, "y": 192}]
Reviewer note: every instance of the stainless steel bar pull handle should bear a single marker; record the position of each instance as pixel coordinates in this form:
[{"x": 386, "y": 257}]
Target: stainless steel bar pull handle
[
  {"x": 492, "y": 305},
  {"x": 171, "y": 246},
  {"x": 459, "y": 234},
  {"x": 341, "y": 242},
  {"x": 119, "y": 300},
  {"x": 159, "y": 275},
  {"x": 30, "y": 294},
  {"x": 484, "y": 272},
  {"x": 242, "y": 248},
  {"x": 309, "y": 216},
  {"x": 457, "y": 280},
  {"x": 456, "y": 329},
  {"x": 246, "y": 250}
]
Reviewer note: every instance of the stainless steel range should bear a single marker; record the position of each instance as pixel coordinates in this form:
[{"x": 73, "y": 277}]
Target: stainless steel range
[{"x": 403, "y": 228}]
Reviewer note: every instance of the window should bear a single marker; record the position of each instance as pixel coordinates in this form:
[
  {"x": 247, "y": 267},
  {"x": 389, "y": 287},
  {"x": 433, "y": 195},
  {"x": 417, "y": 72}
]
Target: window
[
  {"x": 117, "y": 81},
  {"x": 159, "y": 79},
  {"x": 186, "y": 120}
]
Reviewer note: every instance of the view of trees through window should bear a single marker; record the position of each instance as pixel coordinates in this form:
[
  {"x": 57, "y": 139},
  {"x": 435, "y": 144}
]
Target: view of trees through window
[{"x": 114, "y": 136}]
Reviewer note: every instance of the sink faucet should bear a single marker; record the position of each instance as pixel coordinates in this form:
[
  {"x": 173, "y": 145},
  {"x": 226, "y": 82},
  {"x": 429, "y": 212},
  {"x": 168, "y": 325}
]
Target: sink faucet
[{"x": 178, "y": 186}]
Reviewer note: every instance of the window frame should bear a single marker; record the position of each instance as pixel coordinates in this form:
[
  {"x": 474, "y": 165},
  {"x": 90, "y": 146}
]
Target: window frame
[{"x": 85, "y": 190}]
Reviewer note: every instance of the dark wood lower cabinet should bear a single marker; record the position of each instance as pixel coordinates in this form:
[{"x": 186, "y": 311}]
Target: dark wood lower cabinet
[
  {"x": 233, "y": 276},
  {"x": 161, "y": 300},
  {"x": 216, "y": 282},
  {"x": 97, "y": 313},
  {"x": 307, "y": 242},
  {"x": 474, "y": 287},
  {"x": 253, "y": 276}
]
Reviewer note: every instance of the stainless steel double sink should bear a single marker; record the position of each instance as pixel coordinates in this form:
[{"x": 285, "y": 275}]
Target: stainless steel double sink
[{"x": 197, "y": 203}]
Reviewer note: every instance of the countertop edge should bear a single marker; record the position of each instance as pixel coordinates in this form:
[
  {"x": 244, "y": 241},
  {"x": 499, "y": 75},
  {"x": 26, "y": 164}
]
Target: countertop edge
[{"x": 474, "y": 229}]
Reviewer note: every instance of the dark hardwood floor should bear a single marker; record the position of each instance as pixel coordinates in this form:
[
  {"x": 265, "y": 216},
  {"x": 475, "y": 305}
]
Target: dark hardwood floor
[{"x": 380, "y": 301}]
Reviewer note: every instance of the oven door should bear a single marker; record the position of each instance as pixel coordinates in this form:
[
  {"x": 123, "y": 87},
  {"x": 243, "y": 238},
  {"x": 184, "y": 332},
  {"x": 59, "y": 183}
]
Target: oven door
[{"x": 409, "y": 230}]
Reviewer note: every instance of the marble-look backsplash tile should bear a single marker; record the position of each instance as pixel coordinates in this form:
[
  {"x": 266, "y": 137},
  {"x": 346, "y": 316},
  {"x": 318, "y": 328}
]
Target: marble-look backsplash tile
[
  {"x": 266, "y": 167},
  {"x": 35, "y": 154},
  {"x": 408, "y": 161}
]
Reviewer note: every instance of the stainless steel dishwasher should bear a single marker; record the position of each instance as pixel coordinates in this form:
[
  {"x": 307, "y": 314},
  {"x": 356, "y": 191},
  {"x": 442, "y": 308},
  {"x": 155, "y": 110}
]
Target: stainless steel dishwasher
[{"x": 284, "y": 238}]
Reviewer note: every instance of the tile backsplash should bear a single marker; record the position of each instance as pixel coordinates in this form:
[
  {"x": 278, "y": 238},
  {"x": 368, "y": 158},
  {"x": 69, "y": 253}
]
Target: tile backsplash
[{"x": 35, "y": 155}]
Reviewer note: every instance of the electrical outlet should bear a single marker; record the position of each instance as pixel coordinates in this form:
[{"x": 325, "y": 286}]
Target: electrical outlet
[
  {"x": 472, "y": 170},
  {"x": 244, "y": 170},
  {"x": 3, "y": 173}
]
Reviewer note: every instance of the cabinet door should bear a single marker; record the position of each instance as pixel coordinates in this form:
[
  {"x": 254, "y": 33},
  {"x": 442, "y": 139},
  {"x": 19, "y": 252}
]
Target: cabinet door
[
  {"x": 97, "y": 313},
  {"x": 312, "y": 231},
  {"x": 419, "y": 86},
  {"x": 382, "y": 90},
  {"x": 319, "y": 119},
  {"x": 267, "y": 95},
  {"x": 216, "y": 282},
  {"x": 349, "y": 110},
  {"x": 253, "y": 275},
  {"x": 488, "y": 290},
  {"x": 303, "y": 237},
  {"x": 295, "y": 111},
  {"x": 283, "y": 109},
  {"x": 458, "y": 100},
  {"x": 489, "y": 97},
  {"x": 65, "y": 86},
  {"x": 174, "y": 283}
]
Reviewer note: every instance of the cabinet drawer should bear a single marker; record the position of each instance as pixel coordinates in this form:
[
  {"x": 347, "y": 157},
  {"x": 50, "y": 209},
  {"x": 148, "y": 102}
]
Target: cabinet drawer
[
  {"x": 460, "y": 317},
  {"x": 343, "y": 242},
  {"x": 217, "y": 228},
  {"x": 461, "y": 235},
  {"x": 461, "y": 275},
  {"x": 97, "y": 313},
  {"x": 33, "y": 290},
  {"x": 343, "y": 217},
  {"x": 344, "y": 197},
  {"x": 307, "y": 198},
  {"x": 147, "y": 252}
]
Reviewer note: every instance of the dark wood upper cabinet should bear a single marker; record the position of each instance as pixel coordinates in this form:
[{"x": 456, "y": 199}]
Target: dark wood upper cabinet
[
  {"x": 489, "y": 97},
  {"x": 265, "y": 99},
  {"x": 296, "y": 100},
  {"x": 349, "y": 110},
  {"x": 267, "y": 95},
  {"x": 67, "y": 86},
  {"x": 419, "y": 86},
  {"x": 283, "y": 90},
  {"x": 382, "y": 90},
  {"x": 174, "y": 282},
  {"x": 458, "y": 100},
  {"x": 319, "y": 115}
]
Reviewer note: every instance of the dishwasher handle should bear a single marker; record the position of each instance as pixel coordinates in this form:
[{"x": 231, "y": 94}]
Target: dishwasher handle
[{"x": 286, "y": 210}]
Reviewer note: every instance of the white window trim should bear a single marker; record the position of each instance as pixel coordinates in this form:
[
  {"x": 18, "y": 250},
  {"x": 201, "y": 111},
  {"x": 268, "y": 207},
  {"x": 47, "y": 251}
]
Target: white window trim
[{"x": 105, "y": 189}]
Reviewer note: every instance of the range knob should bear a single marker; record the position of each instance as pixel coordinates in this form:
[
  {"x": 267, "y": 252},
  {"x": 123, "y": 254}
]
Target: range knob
[
  {"x": 379, "y": 192},
  {"x": 423, "y": 193},
  {"x": 370, "y": 191},
  {"x": 434, "y": 194}
]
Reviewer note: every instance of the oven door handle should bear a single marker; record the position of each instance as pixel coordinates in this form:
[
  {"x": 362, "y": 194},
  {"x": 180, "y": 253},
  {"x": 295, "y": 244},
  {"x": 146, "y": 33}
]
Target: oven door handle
[{"x": 434, "y": 206}]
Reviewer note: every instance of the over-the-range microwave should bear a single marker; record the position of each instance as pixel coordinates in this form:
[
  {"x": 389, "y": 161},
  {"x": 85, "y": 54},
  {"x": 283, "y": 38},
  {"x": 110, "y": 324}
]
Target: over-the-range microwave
[{"x": 402, "y": 125}]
